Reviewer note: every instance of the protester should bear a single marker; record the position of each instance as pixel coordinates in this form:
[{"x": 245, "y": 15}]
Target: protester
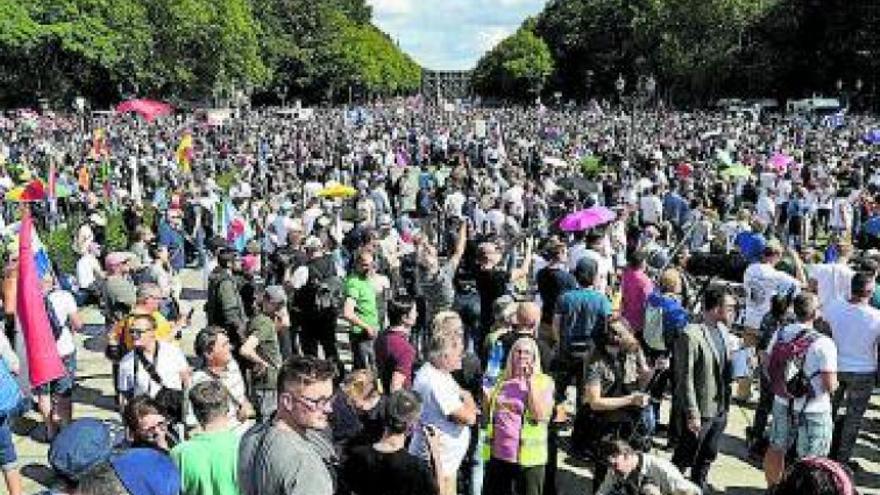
[
  {"x": 447, "y": 408},
  {"x": 855, "y": 328},
  {"x": 702, "y": 383},
  {"x": 801, "y": 411},
  {"x": 518, "y": 409},
  {"x": 385, "y": 467},
  {"x": 208, "y": 461},
  {"x": 632, "y": 471},
  {"x": 274, "y": 456},
  {"x": 262, "y": 351}
]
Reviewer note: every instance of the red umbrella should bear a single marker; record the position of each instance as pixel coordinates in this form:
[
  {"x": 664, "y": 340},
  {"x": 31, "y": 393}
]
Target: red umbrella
[{"x": 148, "y": 109}]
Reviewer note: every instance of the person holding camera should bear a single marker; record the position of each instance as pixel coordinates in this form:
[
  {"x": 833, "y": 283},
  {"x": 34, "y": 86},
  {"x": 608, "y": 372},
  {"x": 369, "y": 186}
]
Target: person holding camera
[{"x": 614, "y": 399}]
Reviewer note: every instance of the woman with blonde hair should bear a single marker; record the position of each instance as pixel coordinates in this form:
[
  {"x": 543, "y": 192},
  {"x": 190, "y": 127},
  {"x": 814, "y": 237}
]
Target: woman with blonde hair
[{"x": 518, "y": 410}]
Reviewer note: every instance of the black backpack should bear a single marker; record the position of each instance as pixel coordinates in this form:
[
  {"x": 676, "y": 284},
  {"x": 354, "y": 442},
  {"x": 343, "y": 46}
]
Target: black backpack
[{"x": 325, "y": 286}]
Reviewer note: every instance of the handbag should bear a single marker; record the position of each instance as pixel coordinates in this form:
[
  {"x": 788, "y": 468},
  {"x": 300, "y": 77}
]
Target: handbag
[{"x": 170, "y": 400}]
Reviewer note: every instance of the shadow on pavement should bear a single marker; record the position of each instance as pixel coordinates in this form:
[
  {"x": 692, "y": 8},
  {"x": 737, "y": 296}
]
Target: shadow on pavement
[
  {"x": 96, "y": 344},
  {"x": 94, "y": 397}
]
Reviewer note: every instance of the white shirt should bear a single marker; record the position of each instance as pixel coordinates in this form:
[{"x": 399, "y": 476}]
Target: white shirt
[
  {"x": 170, "y": 362},
  {"x": 833, "y": 280},
  {"x": 652, "y": 209},
  {"x": 86, "y": 268},
  {"x": 64, "y": 306},
  {"x": 856, "y": 331},
  {"x": 762, "y": 282},
  {"x": 821, "y": 357},
  {"x": 441, "y": 396}
]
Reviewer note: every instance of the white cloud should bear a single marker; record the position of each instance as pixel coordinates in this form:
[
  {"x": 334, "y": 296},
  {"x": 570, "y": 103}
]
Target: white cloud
[{"x": 450, "y": 34}]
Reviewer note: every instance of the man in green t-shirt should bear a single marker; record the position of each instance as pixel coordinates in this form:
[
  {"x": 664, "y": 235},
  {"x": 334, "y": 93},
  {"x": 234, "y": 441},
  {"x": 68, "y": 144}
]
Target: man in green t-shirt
[
  {"x": 208, "y": 462},
  {"x": 262, "y": 351},
  {"x": 361, "y": 310}
]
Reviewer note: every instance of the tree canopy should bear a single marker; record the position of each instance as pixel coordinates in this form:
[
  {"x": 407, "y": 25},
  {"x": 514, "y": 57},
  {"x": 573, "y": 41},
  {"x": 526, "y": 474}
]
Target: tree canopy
[
  {"x": 519, "y": 66},
  {"x": 194, "y": 50},
  {"x": 700, "y": 50}
]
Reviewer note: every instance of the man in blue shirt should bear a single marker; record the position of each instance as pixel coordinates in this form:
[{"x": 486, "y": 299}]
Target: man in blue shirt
[{"x": 580, "y": 314}]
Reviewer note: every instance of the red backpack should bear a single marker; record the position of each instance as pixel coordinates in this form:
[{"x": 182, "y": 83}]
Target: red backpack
[{"x": 785, "y": 366}]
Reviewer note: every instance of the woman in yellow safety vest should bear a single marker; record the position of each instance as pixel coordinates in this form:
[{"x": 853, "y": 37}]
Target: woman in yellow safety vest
[{"x": 518, "y": 410}]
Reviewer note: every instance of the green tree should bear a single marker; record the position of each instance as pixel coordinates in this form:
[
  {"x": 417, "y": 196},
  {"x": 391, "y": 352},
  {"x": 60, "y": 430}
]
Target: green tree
[{"x": 518, "y": 67}]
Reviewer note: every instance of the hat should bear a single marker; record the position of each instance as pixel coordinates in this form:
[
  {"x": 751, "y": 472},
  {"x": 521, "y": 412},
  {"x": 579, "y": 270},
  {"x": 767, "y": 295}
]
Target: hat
[
  {"x": 80, "y": 446},
  {"x": 117, "y": 258},
  {"x": 275, "y": 294},
  {"x": 147, "y": 472},
  {"x": 773, "y": 247}
]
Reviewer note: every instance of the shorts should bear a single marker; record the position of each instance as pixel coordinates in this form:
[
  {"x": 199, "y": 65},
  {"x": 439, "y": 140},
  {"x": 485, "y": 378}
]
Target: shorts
[
  {"x": 8, "y": 457},
  {"x": 64, "y": 385},
  {"x": 813, "y": 433}
]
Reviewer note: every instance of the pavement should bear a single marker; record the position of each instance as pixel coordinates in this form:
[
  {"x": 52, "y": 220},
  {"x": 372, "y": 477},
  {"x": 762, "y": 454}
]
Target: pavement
[{"x": 731, "y": 473}]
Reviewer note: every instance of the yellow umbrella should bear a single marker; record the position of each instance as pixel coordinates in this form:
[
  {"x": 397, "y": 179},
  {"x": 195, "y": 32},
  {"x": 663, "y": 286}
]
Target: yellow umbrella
[{"x": 337, "y": 191}]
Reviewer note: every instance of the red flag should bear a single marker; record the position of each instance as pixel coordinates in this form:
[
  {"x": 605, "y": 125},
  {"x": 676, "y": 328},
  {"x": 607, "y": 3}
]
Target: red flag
[{"x": 42, "y": 354}]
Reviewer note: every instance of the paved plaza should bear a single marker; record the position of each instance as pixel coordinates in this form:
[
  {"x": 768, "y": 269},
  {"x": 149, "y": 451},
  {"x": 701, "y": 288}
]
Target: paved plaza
[{"x": 732, "y": 473}]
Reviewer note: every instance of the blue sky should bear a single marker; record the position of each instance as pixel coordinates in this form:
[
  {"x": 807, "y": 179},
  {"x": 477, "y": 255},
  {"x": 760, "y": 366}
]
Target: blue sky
[{"x": 450, "y": 34}]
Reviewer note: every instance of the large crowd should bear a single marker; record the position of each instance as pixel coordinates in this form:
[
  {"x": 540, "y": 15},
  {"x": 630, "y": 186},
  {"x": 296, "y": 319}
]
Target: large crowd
[{"x": 404, "y": 299}]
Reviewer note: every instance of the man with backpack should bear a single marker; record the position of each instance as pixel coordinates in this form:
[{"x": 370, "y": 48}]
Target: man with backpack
[
  {"x": 224, "y": 307},
  {"x": 317, "y": 297},
  {"x": 802, "y": 370}
]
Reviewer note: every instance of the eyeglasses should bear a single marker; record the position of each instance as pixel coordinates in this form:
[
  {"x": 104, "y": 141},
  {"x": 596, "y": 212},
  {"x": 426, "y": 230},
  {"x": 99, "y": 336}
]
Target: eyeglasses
[
  {"x": 137, "y": 332},
  {"x": 314, "y": 404}
]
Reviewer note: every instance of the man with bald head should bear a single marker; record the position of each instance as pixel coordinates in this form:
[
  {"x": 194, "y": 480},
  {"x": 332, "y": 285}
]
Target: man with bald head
[{"x": 528, "y": 317}]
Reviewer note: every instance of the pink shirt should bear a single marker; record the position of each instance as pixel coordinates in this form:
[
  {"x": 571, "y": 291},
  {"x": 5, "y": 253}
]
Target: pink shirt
[
  {"x": 635, "y": 287},
  {"x": 510, "y": 406}
]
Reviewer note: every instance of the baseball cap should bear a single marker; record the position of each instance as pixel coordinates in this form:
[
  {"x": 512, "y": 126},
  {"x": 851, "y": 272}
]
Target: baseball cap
[
  {"x": 147, "y": 472},
  {"x": 81, "y": 445},
  {"x": 313, "y": 243}
]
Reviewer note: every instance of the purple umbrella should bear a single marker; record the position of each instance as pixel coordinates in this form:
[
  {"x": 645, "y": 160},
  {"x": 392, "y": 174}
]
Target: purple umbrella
[{"x": 587, "y": 219}]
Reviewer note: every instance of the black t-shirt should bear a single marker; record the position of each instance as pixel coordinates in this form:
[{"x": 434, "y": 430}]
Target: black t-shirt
[
  {"x": 553, "y": 282},
  {"x": 370, "y": 472},
  {"x": 491, "y": 284}
]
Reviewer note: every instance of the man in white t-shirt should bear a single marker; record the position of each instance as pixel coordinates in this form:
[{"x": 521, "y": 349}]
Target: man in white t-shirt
[
  {"x": 855, "y": 327},
  {"x": 54, "y": 399},
  {"x": 447, "y": 410},
  {"x": 651, "y": 208},
  {"x": 88, "y": 271},
  {"x": 831, "y": 281},
  {"x": 762, "y": 281},
  {"x": 813, "y": 426},
  {"x": 168, "y": 360}
]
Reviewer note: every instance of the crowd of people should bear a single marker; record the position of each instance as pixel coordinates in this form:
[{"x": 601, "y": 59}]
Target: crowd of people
[{"x": 395, "y": 300}]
